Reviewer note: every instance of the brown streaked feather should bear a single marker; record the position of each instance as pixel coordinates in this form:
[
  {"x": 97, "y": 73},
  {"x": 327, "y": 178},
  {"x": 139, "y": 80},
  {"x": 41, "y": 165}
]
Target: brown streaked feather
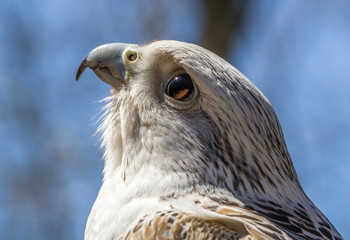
[{"x": 231, "y": 223}]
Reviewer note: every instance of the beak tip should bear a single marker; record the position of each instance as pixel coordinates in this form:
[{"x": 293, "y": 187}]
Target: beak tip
[{"x": 82, "y": 67}]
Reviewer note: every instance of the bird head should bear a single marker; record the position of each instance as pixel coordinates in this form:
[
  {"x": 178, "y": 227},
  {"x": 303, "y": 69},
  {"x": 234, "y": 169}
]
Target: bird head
[{"x": 182, "y": 110}]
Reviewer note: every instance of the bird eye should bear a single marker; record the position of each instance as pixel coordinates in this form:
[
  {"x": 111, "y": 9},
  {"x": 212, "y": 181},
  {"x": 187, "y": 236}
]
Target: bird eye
[{"x": 180, "y": 87}]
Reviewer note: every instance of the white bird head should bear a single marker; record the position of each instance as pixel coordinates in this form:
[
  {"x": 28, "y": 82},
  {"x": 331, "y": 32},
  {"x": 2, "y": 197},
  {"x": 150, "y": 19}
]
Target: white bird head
[
  {"x": 184, "y": 109},
  {"x": 186, "y": 118}
]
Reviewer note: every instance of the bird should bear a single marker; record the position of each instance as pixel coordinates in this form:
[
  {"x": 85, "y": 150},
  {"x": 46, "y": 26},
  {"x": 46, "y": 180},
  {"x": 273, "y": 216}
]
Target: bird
[{"x": 192, "y": 150}]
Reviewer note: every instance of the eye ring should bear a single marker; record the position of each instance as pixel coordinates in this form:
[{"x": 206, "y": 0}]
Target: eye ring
[{"x": 180, "y": 87}]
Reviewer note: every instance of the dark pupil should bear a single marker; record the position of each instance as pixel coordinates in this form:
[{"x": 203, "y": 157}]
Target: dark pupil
[{"x": 180, "y": 87}]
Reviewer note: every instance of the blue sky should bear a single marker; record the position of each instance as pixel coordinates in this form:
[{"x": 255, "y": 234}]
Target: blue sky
[{"x": 296, "y": 52}]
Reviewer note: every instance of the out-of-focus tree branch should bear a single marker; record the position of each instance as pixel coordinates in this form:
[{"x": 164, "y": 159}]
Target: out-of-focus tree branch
[{"x": 223, "y": 21}]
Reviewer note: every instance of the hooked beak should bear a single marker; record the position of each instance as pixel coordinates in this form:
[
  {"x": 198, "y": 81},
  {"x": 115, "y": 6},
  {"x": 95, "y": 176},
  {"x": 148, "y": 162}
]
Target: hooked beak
[{"x": 107, "y": 63}]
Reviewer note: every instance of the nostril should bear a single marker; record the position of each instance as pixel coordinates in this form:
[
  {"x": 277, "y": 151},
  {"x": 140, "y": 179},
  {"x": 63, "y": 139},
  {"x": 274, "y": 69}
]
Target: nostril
[{"x": 132, "y": 56}]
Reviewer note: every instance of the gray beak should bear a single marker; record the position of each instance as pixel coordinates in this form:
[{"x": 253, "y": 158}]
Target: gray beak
[{"x": 107, "y": 63}]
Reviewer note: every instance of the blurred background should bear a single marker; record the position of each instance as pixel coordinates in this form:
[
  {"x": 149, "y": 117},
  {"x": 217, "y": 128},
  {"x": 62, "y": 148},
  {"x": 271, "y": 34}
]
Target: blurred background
[{"x": 296, "y": 52}]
